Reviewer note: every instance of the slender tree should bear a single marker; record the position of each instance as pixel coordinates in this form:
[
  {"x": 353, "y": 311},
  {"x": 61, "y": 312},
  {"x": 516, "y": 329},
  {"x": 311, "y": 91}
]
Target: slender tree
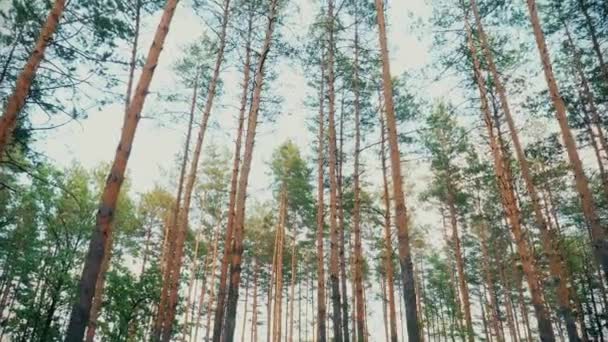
[
  {"x": 79, "y": 316},
  {"x": 405, "y": 258}
]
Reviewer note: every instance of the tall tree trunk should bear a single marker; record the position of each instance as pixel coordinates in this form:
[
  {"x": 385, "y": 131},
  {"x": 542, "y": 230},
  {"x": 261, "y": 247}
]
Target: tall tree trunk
[
  {"x": 254, "y": 309},
  {"x": 405, "y": 258},
  {"x": 171, "y": 231},
  {"x": 485, "y": 262},
  {"x": 549, "y": 241},
  {"x": 191, "y": 282},
  {"x": 462, "y": 278},
  {"x": 278, "y": 283},
  {"x": 272, "y": 282},
  {"x": 458, "y": 316},
  {"x": 16, "y": 101},
  {"x": 358, "y": 274},
  {"x": 211, "y": 299},
  {"x": 292, "y": 286},
  {"x": 228, "y": 239},
  {"x": 343, "y": 276},
  {"x": 182, "y": 222},
  {"x": 384, "y": 309},
  {"x": 243, "y": 331},
  {"x": 237, "y": 252},
  {"x": 207, "y": 273},
  {"x": 98, "y": 296},
  {"x": 507, "y": 193},
  {"x": 105, "y": 216},
  {"x": 388, "y": 242},
  {"x": 598, "y": 234},
  {"x": 334, "y": 258},
  {"x": 321, "y": 309}
]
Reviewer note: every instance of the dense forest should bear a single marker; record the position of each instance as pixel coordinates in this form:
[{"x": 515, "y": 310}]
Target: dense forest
[{"x": 306, "y": 190}]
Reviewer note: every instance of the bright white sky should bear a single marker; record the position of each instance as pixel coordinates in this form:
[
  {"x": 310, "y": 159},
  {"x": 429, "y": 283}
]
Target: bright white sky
[{"x": 94, "y": 139}]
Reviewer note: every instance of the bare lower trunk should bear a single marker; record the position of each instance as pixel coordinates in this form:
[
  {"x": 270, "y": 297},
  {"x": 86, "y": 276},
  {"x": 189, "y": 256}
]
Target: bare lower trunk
[
  {"x": 405, "y": 258},
  {"x": 292, "y": 289},
  {"x": 193, "y": 271},
  {"x": 388, "y": 242},
  {"x": 278, "y": 283},
  {"x": 16, "y": 101},
  {"x": 98, "y": 297},
  {"x": 97, "y": 249},
  {"x": 321, "y": 309}
]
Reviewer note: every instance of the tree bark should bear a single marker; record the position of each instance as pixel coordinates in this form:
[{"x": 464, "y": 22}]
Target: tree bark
[
  {"x": 228, "y": 239},
  {"x": 16, "y": 101},
  {"x": 504, "y": 179},
  {"x": 321, "y": 308},
  {"x": 388, "y": 242},
  {"x": 98, "y": 296},
  {"x": 105, "y": 216},
  {"x": 182, "y": 222},
  {"x": 278, "y": 293},
  {"x": 405, "y": 258},
  {"x": 358, "y": 274},
  {"x": 334, "y": 258},
  {"x": 237, "y": 252},
  {"x": 598, "y": 235},
  {"x": 549, "y": 241},
  {"x": 171, "y": 232},
  {"x": 193, "y": 271}
]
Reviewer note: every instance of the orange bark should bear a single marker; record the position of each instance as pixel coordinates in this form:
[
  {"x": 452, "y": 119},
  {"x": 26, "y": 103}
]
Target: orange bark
[
  {"x": 548, "y": 238},
  {"x": 16, "y": 101},
  {"x": 598, "y": 233},
  {"x": 405, "y": 258},
  {"x": 505, "y": 183},
  {"x": 237, "y": 251},
  {"x": 105, "y": 216}
]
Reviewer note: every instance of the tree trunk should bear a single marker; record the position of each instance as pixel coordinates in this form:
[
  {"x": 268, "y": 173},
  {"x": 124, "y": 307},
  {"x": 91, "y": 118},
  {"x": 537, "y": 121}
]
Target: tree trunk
[
  {"x": 278, "y": 293},
  {"x": 16, "y": 101},
  {"x": 405, "y": 259},
  {"x": 228, "y": 239},
  {"x": 334, "y": 258},
  {"x": 170, "y": 235},
  {"x": 321, "y": 309},
  {"x": 598, "y": 235},
  {"x": 485, "y": 262},
  {"x": 504, "y": 180},
  {"x": 388, "y": 242},
  {"x": 211, "y": 288},
  {"x": 462, "y": 278},
  {"x": 193, "y": 271},
  {"x": 292, "y": 289},
  {"x": 254, "y": 309},
  {"x": 98, "y": 296},
  {"x": 182, "y": 222},
  {"x": 243, "y": 331},
  {"x": 358, "y": 274},
  {"x": 549, "y": 241},
  {"x": 97, "y": 249},
  {"x": 237, "y": 252},
  {"x": 384, "y": 310}
]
